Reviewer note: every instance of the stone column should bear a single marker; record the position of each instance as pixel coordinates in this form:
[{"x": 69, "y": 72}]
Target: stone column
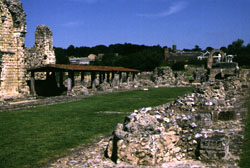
[
  {"x": 120, "y": 77},
  {"x": 103, "y": 77},
  {"x": 93, "y": 77},
  {"x": 133, "y": 76},
  {"x": 113, "y": 79},
  {"x": 69, "y": 86},
  {"x": 32, "y": 84},
  {"x": 127, "y": 78}
]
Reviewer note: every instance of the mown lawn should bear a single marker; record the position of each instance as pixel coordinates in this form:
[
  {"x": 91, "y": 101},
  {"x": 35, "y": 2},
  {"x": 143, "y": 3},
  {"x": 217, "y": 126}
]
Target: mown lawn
[
  {"x": 245, "y": 156},
  {"x": 32, "y": 137}
]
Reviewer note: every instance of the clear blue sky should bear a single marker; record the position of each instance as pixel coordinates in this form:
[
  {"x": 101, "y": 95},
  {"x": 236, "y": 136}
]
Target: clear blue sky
[{"x": 185, "y": 23}]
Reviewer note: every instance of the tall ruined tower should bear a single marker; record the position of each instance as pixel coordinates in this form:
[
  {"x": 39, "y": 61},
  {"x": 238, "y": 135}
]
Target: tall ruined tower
[
  {"x": 12, "y": 34},
  {"x": 42, "y": 52}
]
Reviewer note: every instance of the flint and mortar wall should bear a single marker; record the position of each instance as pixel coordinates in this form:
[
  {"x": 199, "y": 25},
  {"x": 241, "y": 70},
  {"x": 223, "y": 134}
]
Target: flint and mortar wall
[
  {"x": 206, "y": 125},
  {"x": 42, "y": 52},
  {"x": 13, "y": 29},
  {"x": 15, "y": 58}
]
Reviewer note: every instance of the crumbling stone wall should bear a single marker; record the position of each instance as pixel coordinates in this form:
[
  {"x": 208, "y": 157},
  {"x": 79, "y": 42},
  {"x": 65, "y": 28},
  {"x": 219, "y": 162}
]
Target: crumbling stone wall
[
  {"x": 12, "y": 29},
  {"x": 14, "y": 57},
  {"x": 206, "y": 125},
  {"x": 42, "y": 52},
  {"x": 163, "y": 76}
]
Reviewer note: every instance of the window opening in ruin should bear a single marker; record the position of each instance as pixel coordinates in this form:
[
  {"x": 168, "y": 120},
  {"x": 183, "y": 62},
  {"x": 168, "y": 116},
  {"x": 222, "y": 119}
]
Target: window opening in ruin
[{"x": 45, "y": 57}]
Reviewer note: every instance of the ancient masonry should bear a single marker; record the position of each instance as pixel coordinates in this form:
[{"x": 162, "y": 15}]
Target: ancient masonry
[
  {"x": 14, "y": 57},
  {"x": 42, "y": 53},
  {"x": 204, "y": 129}
]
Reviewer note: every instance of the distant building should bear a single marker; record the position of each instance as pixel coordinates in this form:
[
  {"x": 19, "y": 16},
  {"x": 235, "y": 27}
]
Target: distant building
[
  {"x": 217, "y": 58},
  {"x": 82, "y": 60},
  {"x": 180, "y": 56}
]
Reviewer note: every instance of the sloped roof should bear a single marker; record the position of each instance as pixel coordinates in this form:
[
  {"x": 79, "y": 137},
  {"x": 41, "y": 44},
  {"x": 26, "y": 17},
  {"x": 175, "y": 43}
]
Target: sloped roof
[{"x": 88, "y": 68}]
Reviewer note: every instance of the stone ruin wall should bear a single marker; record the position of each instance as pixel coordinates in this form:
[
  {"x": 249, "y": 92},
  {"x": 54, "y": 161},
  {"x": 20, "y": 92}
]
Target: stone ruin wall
[
  {"x": 205, "y": 126},
  {"x": 13, "y": 29},
  {"x": 14, "y": 57},
  {"x": 42, "y": 53}
]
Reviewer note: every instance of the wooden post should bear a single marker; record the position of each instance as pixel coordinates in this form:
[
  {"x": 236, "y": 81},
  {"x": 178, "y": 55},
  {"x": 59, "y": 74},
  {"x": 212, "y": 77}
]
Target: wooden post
[{"x": 32, "y": 84}]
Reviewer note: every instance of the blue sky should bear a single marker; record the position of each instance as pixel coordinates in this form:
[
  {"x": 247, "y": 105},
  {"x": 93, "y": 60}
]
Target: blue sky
[{"x": 185, "y": 23}]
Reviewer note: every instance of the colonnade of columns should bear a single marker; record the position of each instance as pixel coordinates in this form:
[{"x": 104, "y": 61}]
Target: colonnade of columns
[{"x": 103, "y": 77}]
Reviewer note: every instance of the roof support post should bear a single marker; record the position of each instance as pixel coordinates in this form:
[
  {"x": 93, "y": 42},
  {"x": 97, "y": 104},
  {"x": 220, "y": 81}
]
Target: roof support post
[
  {"x": 69, "y": 86},
  {"x": 61, "y": 80},
  {"x": 133, "y": 77},
  {"x": 32, "y": 84},
  {"x": 108, "y": 77},
  {"x": 113, "y": 76},
  {"x": 93, "y": 77},
  {"x": 100, "y": 77},
  {"x": 120, "y": 77},
  {"x": 104, "y": 77},
  {"x": 82, "y": 78},
  {"x": 113, "y": 79},
  {"x": 127, "y": 78},
  {"x": 72, "y": 77}
]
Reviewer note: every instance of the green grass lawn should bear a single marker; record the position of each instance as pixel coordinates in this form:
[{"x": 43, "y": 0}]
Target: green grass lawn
[
  {"x": 245, "y": 156},
  {"x": 32, "y": 137}
]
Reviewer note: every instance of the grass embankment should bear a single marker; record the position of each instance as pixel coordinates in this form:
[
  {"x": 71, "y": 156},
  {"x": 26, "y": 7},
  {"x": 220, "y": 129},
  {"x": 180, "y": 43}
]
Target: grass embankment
[
  {"x": 34, "y": 136},
  {"x": 245, "y": 156}
]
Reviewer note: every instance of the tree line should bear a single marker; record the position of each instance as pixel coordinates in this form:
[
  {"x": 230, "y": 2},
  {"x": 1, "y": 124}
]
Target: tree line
[{"x": 143, "y": 57}]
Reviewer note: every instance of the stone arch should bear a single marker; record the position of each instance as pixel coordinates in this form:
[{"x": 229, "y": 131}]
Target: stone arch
[{"x": 210, "y": 57}]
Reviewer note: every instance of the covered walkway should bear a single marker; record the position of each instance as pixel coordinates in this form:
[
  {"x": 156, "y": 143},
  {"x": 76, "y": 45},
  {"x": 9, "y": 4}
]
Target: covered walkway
[{"x": 106, "y": 73}]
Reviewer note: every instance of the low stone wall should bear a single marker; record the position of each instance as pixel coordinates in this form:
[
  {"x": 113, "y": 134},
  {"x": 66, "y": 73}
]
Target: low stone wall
[{"x": 206, "y": 125}]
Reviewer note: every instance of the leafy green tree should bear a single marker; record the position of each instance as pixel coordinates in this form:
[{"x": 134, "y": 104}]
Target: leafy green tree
[
  {"x": 224, "y": 49},
  {"x": 196, "y": 48},
  {"x": 209, "y": 49},
  {"x": 61, "y": 56},
  {"x": 236, "y": 47},
  {"x": 71, "y": 50}
]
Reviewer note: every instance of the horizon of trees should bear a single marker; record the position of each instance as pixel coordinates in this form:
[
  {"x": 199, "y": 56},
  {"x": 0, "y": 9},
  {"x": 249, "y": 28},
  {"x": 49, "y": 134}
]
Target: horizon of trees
[{"x": 143, "y": 57}]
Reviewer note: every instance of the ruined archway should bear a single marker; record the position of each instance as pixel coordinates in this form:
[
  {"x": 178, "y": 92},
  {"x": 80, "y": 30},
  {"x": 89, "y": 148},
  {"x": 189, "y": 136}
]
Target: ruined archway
[{"x": 211, "y": 56}]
